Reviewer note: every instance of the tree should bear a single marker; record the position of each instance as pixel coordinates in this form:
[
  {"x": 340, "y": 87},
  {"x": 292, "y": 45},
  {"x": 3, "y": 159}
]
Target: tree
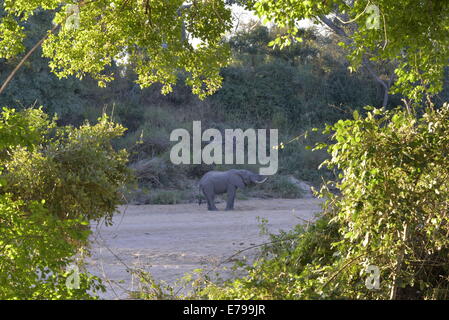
[
  {"x": 413, "y": 35},
  {"x": 253, "y": 39},
  {"x": 152, "y": 35},
  {"x": 34, "y": 84},
  {"x": 393, "y": 208},
  {"x": 53, "y": 181}
]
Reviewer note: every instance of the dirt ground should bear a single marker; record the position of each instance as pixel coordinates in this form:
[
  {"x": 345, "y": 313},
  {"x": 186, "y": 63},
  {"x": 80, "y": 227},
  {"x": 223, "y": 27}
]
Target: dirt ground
[{"x": 171, "y": 240}]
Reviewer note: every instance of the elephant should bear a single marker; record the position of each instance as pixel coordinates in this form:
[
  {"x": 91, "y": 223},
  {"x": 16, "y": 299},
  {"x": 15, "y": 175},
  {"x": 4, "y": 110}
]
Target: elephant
[{"x": 219, "y": 182}]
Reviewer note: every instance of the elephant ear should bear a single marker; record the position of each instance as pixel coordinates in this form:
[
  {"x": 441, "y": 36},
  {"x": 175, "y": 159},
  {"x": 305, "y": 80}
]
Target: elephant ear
[{"x": 237, "y": 180}]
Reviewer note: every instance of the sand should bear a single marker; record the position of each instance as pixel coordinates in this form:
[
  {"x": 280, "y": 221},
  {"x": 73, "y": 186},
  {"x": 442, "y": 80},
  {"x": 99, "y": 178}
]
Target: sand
[{"x": 171, "y": 240}]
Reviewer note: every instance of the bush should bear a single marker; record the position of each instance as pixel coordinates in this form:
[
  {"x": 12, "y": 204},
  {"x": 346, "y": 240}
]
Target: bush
[
  {"x": 158, "y": 172},
  {"x": 54, "y": 180},
  {"x": 77, "y": 172},
  {"x": 37, "y": 249},
  {"x": 164, "y": 197},
  {"x": 280, "y": 186},
  {"x": 390, "y": 214},
  {"x": 393, "y": 206}
]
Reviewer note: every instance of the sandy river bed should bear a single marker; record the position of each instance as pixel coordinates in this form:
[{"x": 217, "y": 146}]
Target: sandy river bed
[{"x": 170, "y": 240}]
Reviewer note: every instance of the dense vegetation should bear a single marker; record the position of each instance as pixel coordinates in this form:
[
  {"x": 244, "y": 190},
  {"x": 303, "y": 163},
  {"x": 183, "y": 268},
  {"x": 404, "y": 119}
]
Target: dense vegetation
[
  {"x": 54, "y": 181},
  {"x": 387, "y": 163},
  {"x": 294, "y": 90},
  {"x": 391, "y": 214}
]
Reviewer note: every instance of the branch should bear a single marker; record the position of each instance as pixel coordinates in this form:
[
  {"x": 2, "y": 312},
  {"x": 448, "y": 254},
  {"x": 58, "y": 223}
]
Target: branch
[
  {"x": 354, "y": 19},
  {"x": 347, "y": 264},
  {"x": 385, "y": 84},
  {"x": 183, "y": 25},
  {"x": 328, "y": 22},
  {"x": 399, "y": 262},
  {"x": 365, "y": 63},
  {"x": 25, "y": 58},
  {"x": 37, "y": 45}
]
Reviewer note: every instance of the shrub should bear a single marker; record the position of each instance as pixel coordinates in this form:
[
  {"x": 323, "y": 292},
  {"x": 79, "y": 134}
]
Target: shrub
[
  {"x": 393, "y": 206},
  {"x": 164, "y": 197},
  {"x": 54, "y": 180},
  {"x": 391, "y": 213},
  {"x": 158, "y": 172},
  {"x": 280, "y": 186},
  {"x": 77, "y": 172},
  {"x": 36, "y": 253}
]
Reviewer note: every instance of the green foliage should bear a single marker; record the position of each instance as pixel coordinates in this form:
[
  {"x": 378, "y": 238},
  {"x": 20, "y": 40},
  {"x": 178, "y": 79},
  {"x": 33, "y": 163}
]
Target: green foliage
[
  {"x": 289, "y": 266},
  {"x": 151, "y": 35},
  {"x": 252, "y": 43},
  {"x": 412, "y": 33},
  {"x": 12, "y": 36},
  {"x": 36, "y": 253},
  {"x": 25, "y": 128},
  {"x": 53, "y": 181},
  {"x": 391, "y": 213},
  {"x": 71, "y": 99},
  {"x": 295, "y": 90},
  {"x": 71, "y": 171},
  {"x": 393, "y": 207},
  {"x": 165, "y": 197}
]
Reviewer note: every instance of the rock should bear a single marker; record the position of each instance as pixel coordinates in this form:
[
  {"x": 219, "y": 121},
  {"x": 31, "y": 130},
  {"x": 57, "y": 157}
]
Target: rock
[{"x": 305, "y": 187}]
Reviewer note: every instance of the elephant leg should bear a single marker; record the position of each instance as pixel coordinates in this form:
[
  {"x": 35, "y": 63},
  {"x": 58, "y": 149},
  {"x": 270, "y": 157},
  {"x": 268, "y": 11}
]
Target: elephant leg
[
  {"x": 210, "y": 197},
  {"x": 231, "y": 198}
]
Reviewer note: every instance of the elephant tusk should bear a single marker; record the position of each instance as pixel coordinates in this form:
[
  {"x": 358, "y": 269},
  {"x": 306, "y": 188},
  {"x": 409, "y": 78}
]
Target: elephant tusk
[{"x": 262, "y": 181}]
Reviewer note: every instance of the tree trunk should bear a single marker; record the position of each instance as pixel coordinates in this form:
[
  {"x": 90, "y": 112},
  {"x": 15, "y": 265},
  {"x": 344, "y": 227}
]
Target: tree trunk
[
  {"x": 365, "y": 63},
  {"x": 398, "y": 267}
]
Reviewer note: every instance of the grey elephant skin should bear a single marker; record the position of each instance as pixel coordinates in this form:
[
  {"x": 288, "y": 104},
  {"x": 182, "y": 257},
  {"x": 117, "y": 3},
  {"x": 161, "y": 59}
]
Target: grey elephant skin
[{"x": 219, "y": 182}]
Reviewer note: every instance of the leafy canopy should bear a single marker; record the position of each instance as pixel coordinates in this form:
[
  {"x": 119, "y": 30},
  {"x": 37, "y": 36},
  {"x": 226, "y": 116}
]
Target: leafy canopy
[
  {"x": 150, "y": 35},
  {"x": 413, "y": 34}
]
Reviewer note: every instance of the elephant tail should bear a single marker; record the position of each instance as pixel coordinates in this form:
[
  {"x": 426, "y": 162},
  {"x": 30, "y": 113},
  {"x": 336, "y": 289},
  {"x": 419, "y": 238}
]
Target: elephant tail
[{"x": 199, "y": 196}]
